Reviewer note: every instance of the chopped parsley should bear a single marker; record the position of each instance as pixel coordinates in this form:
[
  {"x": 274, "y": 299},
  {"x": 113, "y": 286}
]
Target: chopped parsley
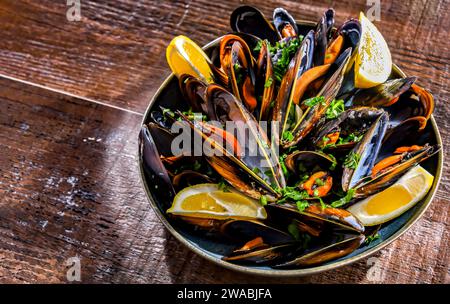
[
  {"x": 293, "y": 230},
  {"x": 238, "y": 72},
  {"x": 168, "y": 112},
  {"x": 283, "y": 165},
  {"x": 352, "y": 137},
  {"x": 196, "y": 166},
  {"x": 263, "y": 200},
  {"x": 223, "y": 185},
  {"x": 256, "y": 170},
  {"x": 352, "y": 160},
  {"x": 282, "y": 54},
  {"x": 311, "y": 102},
  {"x": 268, "y": 82},
  {"x": 287, "y": 136},
  {"x": 335, "y": 109},
  {"x": 291, "y": 193},
  {"x": 302, "y": 205},
  {"x": 319, "y": 182},
  {"x": 344, "y": 200},
  {"x": 272, "y": 104},
  {"x": 372, "y": 238},
  {"x": 322, "y": 204}
]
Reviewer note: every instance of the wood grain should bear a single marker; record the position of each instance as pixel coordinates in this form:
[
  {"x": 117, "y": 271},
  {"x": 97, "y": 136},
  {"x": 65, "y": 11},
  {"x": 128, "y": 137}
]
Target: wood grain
[
  {"x": 69, "y": 184},
  {"x": 116, "y": 53}
]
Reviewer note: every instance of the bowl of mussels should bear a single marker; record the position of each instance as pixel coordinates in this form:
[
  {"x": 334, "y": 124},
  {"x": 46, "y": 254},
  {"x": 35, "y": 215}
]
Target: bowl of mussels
[{"x": 289, "y": 147}]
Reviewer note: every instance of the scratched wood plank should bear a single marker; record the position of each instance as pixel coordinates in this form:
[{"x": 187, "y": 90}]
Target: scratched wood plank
[
  {"x": 116, "y": 53},
  {"x": 69, "y": 187}
]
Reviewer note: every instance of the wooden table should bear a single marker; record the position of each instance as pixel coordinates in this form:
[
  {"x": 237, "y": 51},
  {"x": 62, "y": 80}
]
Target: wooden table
[{"x": 72, "y": 96}]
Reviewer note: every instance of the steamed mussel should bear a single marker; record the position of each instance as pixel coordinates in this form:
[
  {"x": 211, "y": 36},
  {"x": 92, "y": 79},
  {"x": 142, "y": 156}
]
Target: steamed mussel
[{"x": 282, "y": 140}]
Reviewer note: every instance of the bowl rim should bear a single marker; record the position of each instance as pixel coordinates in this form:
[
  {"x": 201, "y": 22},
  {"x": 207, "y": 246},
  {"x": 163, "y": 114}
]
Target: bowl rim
[{"x": 302, "y": 271}]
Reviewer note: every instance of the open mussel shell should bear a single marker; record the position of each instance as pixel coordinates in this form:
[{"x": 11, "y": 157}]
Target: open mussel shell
[
  {"x": 239, "y": 177},
  {"x": 407, "y": 133},
  {"x": 293, "y": 83},
  {"x": 329, "y": 91},
  {"x": 309, "y": 161},
  {"x": 162, "y": 139},
  {"x": 189, "y": 178},
  {"x": 276, "y": 243},
  {"x": 250, "y": 20},
  {"x": 265, "y": 86},
  {"x": 325, "y": 220},
  {"x": 284, "y": 24},
  {"x": 387, "y": 178},
  {"x": 257, "y": 155},
  {"x": 352, "y": 121},
  {"x": 322, "y": 34},
  {"x": 265, "y": 255},
  {"x": 164, "y": 121},
  {"x": 230, "y": 166},
  {"x": 351, "y": 31},
  {"x": 246, "y": 230},
  {"x": 194, "y": 92},
  {"x": 153, "y": 166},
  {"x": 416, "y": 102},
  {"x": 338, "y": 246},
  {"x": 366, "y": 150},
  {"x": 381, "y": 95}
]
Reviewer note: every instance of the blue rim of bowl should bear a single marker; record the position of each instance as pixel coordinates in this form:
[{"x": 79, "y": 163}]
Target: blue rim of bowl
[{"x": 301, "y": 271}]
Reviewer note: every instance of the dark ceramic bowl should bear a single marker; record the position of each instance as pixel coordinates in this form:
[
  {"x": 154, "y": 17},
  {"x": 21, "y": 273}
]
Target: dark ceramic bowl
[{"x": 169, "y": 96}]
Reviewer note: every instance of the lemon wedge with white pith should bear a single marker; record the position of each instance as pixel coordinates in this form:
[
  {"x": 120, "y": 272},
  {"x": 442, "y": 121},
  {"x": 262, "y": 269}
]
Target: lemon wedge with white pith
[
  {"x": 395, "y": 200},
  {"x": 184, "y": 56},
  {"x": 373, "y": 62},
  {"x": 209, "y": 201}
]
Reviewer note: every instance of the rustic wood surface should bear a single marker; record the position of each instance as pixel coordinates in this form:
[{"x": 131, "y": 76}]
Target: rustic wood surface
[{"x": 69, "y": 183}]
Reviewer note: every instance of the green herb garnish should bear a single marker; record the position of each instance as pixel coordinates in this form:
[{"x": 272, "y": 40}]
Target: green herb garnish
[
  {"x": 287, "y": 136},
  {"x": 256, "y": 170},
  {"x": 283, "y": 165},
  {"x": 268, "y": 82},
  {"x": 352, "y": 160},
  {"x": 351, "y": 138},
  {"x": 319, "y": 182},
  {"x": 263, "y": 200},
  {"x": 272, "y": 104},
  {"x": 344, "y": 200},
  {"x": 238, "y": 73},
  {"x": 335, "y": 109},
  {"x": 284, "y": 52},
  {"x": 294, "y": 231},
  {"x": 372, "y": 238},
  {"x": 196, "y": 166},
  {"x": 311, "y": 102},
  {"x": 302, "y": 205},
  {"x": 292, "y": 194},
  {"x": 223, "y": 185},
  {"x": 322, "y": 204}
]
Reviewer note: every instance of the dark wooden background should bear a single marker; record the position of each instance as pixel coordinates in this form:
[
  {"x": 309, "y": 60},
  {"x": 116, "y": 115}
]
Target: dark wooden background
[{"x": 72, "y": 96}]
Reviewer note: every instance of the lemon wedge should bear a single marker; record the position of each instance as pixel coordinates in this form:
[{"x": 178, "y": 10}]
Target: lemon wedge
[
  {"x": 395, "y": 200},
  {"x": 373, "y": 62},
  {"x": 184, "y": 56},
  {"x": 208, "y": 201}
]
